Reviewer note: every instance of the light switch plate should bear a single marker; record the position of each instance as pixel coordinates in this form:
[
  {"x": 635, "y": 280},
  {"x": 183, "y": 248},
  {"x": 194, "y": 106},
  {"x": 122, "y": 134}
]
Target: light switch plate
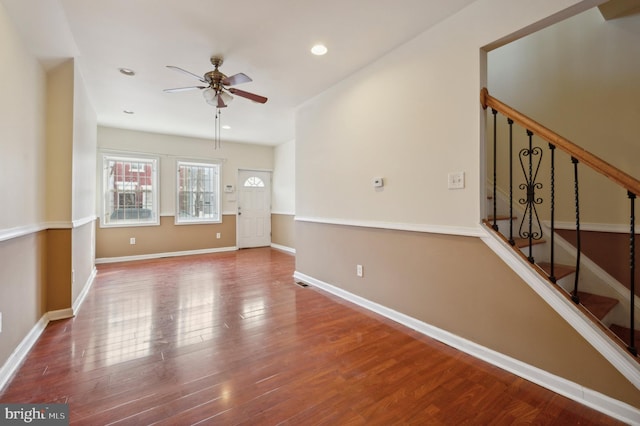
[{"x": 456, "y": 180}]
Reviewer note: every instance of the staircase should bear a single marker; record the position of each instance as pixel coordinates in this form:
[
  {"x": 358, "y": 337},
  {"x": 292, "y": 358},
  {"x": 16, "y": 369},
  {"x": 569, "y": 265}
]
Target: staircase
[
  {"x": 602, "y": 305},
  {"x": 522, "y": 181}
]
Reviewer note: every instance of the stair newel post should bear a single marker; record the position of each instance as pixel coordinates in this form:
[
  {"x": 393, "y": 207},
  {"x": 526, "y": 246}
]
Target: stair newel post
[
  {"x": 495, "y": 168},
  {"x": 632, "y": 273},
  {"x": 552, "y": 275},
  {"x": 574, "y": 294},
  {"x": 511, "y": 240}
]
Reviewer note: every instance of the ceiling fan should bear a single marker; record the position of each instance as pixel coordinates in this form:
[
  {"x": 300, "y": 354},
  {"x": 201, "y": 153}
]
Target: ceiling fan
[{"x": 216, "y": 86}]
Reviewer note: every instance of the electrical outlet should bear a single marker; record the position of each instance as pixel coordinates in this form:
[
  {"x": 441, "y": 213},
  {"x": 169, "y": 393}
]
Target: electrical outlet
[
  {"x": 456, "y": 180},
  {"x": 359, "y": 271},
  {"x": 132, "y": 240},
  {"x": 218, "y": 235}
]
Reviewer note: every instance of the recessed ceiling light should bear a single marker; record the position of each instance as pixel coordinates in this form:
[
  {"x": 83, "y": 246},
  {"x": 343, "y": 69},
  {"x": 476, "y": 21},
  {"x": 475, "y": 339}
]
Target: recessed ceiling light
[
  {"x": 127, "y": 71},
  {"x": 319, "y": 49},
  {"x": 226, "y": 127},
  {"x": 127, "y": 111}
]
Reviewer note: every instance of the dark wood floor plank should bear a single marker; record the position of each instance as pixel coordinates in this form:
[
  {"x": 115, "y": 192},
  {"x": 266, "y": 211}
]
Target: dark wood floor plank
[{"x": 228, "y": 338}]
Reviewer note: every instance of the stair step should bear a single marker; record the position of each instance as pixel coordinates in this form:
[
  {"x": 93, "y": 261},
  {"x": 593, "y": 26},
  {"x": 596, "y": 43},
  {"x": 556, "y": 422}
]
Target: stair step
[
  {"x": 598, "y": 305},
  {"x": 559, "y": 270},
  {"x": 624, "y": 332},
  {"x": 524, "y": 242}
]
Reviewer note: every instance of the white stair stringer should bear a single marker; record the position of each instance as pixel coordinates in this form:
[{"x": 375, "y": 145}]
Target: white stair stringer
[
  {"x": 592, "y": 278},
  {"x": 619, "y": 358}
]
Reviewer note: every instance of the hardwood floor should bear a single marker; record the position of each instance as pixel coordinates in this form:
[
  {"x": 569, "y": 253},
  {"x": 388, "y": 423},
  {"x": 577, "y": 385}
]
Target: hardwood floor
[{"x": 229, "y": 338}]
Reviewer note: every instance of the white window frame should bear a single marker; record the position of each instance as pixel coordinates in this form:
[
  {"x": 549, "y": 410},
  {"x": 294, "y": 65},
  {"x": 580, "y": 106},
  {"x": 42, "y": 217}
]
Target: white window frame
[
  {"x": 215, "y": 186},
  {"x": 108, "y": 193}
]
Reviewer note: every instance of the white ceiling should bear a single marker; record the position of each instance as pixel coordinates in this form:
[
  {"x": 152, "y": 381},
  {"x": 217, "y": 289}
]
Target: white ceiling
[{"x": 267, "y": 40}]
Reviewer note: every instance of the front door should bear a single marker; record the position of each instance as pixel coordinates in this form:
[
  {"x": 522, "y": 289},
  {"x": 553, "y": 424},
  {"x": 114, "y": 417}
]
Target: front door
[{"x": 254, "y": 208}]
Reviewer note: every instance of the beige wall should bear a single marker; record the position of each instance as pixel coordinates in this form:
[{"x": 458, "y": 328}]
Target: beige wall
[
  {"x": 456, "y": 284},
  {"x": 22, "y": 185},
  {"x": 22, "y": 131},
  {"x": 580, "y": 79},
  {"x": 59, "y": 152},
  {"x": 166, "y": 238},
  {"x": 346, "y": 136},
  {"x": 58, "y": 269},
  {"x": 114, "y": 242},
  {"x": 283, "y": 230},
  {"x": 284, "y": 179},
  {"x": 23, "y": 295},
  {"x": 82, "y": 188},
  {"x": 82, "y": 257},
  {"x": 234, "y": 156},
  {"x": 71, "y": 182},
  {"x": 84, "y": 152},
  {"x": 45, "y": 134}
]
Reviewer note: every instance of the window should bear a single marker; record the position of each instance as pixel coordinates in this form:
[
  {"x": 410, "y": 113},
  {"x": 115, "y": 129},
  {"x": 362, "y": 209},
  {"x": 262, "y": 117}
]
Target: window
[
  {"x": 254, "y": 182},
  {"x": 198, "y": 197},
  {"x": 130, "y": 191}
]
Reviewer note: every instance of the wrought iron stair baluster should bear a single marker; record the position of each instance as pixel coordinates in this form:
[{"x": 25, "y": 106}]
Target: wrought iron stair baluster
[
  {"x": 531, "y": 200},
  {"x": 632, "y": 271},
  {"x": 552, "y": 274},
  {"x": 511, "y": 240},
  {"x": 495, "y": 165},
  {"x": 574, "y": 294}
]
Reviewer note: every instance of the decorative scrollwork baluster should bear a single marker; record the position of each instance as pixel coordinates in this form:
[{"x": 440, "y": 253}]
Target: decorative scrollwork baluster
[{"x": 531, "y": 199}]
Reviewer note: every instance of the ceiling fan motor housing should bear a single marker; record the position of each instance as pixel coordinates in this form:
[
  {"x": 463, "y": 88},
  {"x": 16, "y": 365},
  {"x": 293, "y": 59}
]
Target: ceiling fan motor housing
[{"x": 215, "y": 77}]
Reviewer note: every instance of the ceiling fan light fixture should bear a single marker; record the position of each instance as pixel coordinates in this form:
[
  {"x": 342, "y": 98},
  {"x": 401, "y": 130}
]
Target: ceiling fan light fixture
[
  {"x": 226, "y": 98},
  {"x": 319, "y": 49},
  {"x": 210, "y": 96}
]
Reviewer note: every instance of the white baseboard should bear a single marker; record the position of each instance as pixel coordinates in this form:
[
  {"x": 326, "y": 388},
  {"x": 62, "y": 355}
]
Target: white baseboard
[
  {"x": 607, "y": 405},
  {"x": 18, "y": 355},
  {"x": 22, "y": 350},
  {"x": 283, "y": 248},
  {"x": 85, "y": 290},
  {"x": 160, "y": 255},
  {"x": 59, "y": 314}
]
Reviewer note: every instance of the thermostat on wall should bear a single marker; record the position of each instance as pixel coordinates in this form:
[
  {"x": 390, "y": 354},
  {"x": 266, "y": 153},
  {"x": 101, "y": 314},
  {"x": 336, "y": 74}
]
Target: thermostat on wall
[{"x": 228, "y": 188}]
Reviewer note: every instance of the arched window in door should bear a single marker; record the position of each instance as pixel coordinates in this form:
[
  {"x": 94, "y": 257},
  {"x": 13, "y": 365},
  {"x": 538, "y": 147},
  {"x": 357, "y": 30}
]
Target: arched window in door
[{"x": 253, "y": 182}]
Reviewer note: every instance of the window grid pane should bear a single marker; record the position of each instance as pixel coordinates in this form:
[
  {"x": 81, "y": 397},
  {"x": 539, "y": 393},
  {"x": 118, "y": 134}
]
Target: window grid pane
[
  {"x": 197, "y": 196},
  {"x": 130, "y": 191}
]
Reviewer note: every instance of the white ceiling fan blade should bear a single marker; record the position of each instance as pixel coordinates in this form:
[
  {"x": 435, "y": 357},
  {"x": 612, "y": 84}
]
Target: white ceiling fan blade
[
  {"x": 236, "y": 79},
  {"x": 183, "y": 89},
  {"x": 187, "y": 72}
]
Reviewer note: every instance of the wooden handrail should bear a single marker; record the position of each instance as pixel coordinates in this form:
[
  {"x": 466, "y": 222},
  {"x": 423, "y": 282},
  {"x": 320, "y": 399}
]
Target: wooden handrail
[{"x": 628, "y": 182}]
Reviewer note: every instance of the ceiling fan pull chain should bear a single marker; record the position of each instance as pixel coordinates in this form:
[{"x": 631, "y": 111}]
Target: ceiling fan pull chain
[{"x": 216, "y": 142}]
